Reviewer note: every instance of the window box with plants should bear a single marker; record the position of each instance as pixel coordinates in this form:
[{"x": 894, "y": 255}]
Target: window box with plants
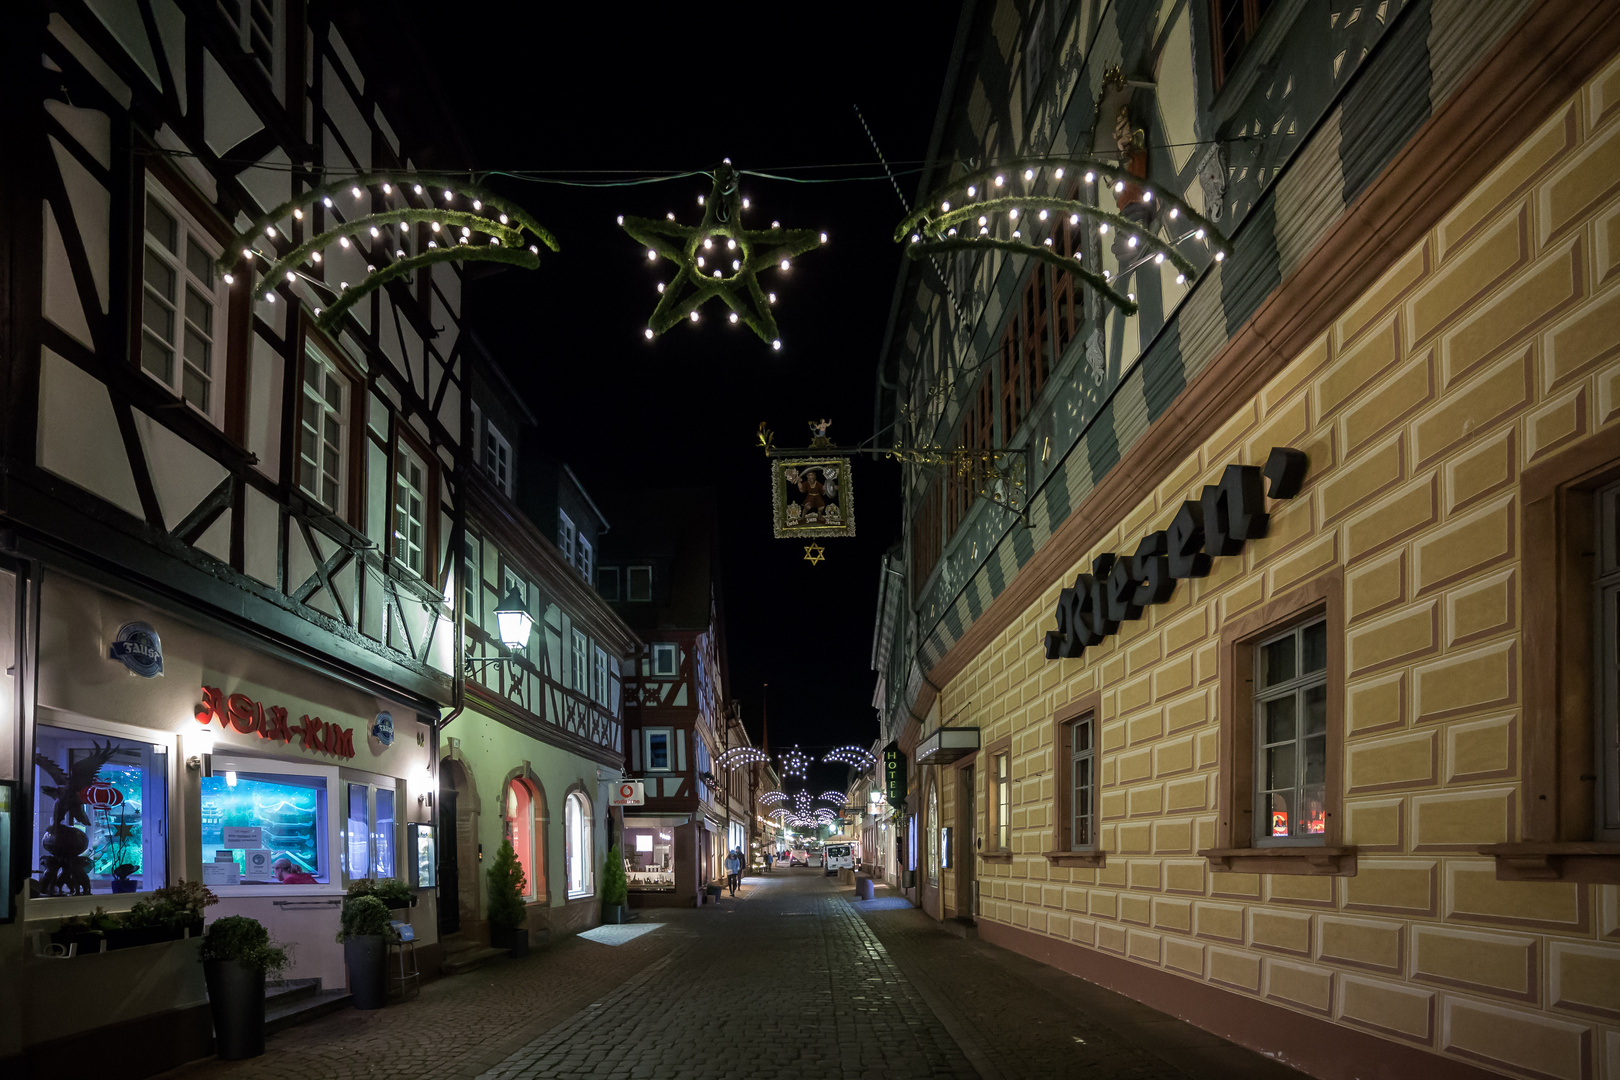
[
  {"x": 169, "y": 914},
  {"x": 394, "y": 893},
  {"x": 237, "y": 955}
]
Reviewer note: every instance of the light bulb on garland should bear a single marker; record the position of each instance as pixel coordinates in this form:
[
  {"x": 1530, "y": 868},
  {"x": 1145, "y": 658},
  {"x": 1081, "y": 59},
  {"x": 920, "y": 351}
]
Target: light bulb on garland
[
  {"x": 694, "y": 283},
  {"x": 510, "y": 236}
]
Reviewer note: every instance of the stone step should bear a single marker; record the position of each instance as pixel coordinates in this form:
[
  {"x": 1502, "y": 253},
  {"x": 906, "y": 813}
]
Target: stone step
[
  {"x": 303, "y": 1008},
  {"x": 462, "y": 955},
  {"x": 280, "y": 994}
]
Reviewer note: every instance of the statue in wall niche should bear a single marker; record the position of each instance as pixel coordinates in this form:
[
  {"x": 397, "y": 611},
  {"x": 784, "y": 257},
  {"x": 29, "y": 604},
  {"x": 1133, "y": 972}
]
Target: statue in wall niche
[
  {"x": 1096, "y": 357},
  {"x": 1212, "y": 179},
  {"x": 65, "y": 867}
]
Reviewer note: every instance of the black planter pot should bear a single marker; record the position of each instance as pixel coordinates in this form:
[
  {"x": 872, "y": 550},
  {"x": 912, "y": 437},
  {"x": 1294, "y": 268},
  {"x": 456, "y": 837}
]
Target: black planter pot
[
  {"x": 129, "y": 937},
  {"x": 236, "y": 998},
  {"x": 613, "y": 913},
  {"x": 518, "y": 942},
  {"x": 124, "y": 885},
  {"x": 367, "y": 959}
]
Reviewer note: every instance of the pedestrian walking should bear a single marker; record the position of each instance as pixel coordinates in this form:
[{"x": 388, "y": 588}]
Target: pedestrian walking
[
  {"x": 734, "y": 869},
  {"x": 768, "y": 858}
]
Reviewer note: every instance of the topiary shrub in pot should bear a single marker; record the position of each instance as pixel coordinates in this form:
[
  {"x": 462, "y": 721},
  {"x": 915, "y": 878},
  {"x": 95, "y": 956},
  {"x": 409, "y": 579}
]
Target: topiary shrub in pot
[
  {"x": 365, "y": 930},
  {"x": 237, "y": 955},
  {"x": 615, "y": 887},
  {"x": 391, "y": 891},
  {"x": 506, "y": 908}
]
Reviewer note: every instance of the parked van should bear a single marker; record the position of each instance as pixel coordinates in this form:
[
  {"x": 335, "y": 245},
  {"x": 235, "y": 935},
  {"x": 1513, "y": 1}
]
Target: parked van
[{"x": 842, "y": 857}]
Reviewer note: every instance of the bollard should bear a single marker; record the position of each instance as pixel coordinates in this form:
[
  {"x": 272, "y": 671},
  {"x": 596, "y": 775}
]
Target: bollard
[{"x": 863, "y": 888}]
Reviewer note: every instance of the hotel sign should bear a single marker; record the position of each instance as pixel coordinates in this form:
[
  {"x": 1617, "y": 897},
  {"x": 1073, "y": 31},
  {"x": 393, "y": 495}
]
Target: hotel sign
[
  {"x": 894, "y": 774},
  {"x": 249, "y": 717},
  {"x": 1120, "y": 587}
]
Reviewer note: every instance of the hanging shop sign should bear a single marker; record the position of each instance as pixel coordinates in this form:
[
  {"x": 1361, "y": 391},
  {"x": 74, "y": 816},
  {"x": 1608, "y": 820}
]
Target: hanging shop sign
[
  {"x": 138, "y": 648},
  {"x": 894, "y": 774},
  {"x": 628, "y": 793},
  {"x": 812, "y": 497},
  {"x": 249, "y": 717},
  {"x": 1219, "y": 523}
]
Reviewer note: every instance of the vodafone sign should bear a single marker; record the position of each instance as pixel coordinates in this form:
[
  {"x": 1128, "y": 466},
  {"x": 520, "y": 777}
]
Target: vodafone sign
[{"x": 628, "y": 793}]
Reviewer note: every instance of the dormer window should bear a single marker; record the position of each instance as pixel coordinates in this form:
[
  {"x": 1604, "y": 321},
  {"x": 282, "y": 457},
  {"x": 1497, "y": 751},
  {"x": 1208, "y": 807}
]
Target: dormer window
[{"x": 498, "y": 458}]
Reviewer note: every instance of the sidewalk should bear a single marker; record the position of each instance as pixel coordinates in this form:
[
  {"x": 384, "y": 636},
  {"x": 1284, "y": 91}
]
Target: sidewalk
[{"x": 1015, "y": 1017}]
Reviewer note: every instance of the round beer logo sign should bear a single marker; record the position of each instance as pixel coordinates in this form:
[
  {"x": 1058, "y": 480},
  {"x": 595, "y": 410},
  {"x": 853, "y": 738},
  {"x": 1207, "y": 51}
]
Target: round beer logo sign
[
  {"x": 382, "y": 729},
  {"x": 137, "y": 647}
]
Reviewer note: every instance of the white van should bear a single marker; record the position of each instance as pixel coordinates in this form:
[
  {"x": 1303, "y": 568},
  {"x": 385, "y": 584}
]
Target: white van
[{"x": 843, "y": 857}]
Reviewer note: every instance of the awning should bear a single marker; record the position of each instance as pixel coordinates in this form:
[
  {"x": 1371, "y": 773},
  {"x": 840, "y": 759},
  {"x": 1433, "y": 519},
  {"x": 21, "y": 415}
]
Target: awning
[{"x": 947, "y": 745}]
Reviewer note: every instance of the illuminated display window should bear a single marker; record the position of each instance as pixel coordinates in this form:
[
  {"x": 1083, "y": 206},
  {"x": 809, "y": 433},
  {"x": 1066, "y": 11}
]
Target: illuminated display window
[
  {"x": 577, "y": 832},
  {"x": 527, "y": 840},
  {"x": 110, "y": 836},
  {"x": 1290, "y": 740},
  {"x": 264, "y": 829}
]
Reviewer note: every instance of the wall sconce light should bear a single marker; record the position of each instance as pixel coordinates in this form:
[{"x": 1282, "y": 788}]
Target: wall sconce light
[{"x": 515, "y": 623}]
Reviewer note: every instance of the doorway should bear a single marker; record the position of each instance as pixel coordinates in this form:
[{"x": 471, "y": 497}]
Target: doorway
[
  {"x": 966, "y": 853},
  {"x": 458, "y": 848}
]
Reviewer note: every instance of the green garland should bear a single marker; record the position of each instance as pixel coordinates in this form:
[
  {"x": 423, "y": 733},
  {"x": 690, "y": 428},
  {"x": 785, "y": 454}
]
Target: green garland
[
  {"x": 504, "y": 224},
  {"x": 694, "y": 285}
]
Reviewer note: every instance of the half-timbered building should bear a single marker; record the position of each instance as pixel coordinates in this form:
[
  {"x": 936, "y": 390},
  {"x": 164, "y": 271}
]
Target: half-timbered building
[
  {"x": 541, "y": 733},
  {"x": 231, "y": 539}
]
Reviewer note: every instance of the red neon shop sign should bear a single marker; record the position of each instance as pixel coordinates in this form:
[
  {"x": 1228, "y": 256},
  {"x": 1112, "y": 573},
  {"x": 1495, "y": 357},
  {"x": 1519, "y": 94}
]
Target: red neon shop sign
[{"x": 249, "y": 717}]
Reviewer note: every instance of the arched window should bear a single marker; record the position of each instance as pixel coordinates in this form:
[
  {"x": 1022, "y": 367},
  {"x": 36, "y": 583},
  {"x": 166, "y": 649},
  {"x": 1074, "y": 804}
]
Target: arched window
[
  {"x": 933, "y": 835},
  {"x": 527, "y": 840},
  {"x": 577, "y": 831}
]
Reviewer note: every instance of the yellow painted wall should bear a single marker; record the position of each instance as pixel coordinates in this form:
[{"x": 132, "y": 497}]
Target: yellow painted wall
[{"x": 1490, "y": 345}]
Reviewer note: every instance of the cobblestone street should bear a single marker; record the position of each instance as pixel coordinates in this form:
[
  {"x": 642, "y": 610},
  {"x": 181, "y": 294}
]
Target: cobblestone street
[{"x": 791, "y": 979}]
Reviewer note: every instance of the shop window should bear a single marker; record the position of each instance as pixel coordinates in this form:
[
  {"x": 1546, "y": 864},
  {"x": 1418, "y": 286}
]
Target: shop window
[
  {"x": 931, "y": 827},
  {"x": 658, "y": 740},
  {"x": 265, "y": 828},
  {"x": 599, "y": 676},
  {"x": 368, "y": 831},
  {"x": 100, "y": 813},
  {"x": 580, "y": 669},
  {"x": 323, "y": 421},
  {"x": 649, "y": 860},
  {"x": 183, "y": 305},
  {"x": 1234, "y": 24},
  {"x": 410, "y": 510},
  {"x": 607, "y": 582},
  {"x": 577, "y": 830},
  {"x": 1282, "y": 686},
  {"x": 664, "y": 659},
  {"x": 383, "y": 864},
  {"x": 526, "y": 839},
  {"x": 1076, "y": 807},
  {"x": 638, "y": 585}
]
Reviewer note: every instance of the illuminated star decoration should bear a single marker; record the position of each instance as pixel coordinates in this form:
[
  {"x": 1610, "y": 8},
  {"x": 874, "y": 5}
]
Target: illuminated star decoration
[
  {"x": 814, "y": 553},
  {"x": 383, "y": 226},
  {"x": 719, "y": 258}
]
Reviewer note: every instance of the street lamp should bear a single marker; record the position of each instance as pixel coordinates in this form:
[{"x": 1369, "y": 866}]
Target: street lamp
[{"x": 515, "y": 624}]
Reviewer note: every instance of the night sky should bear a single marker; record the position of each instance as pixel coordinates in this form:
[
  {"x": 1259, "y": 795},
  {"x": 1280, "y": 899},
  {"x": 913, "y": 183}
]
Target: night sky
[{"x": 580, "y": 91}]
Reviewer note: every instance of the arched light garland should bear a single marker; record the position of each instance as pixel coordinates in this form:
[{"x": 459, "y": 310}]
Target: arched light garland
[
  {"x": 857, "y": 757},
  {"x": 738, "y": 756},
  {"x": 771, "y": 798},
  {"x": 719, "y": 258},
  {"x": 469, "y": 225},
  {"x": 968, "y": 214},
  {"x": 833, "y": 797},
  {"x": 796, "y": 763}
]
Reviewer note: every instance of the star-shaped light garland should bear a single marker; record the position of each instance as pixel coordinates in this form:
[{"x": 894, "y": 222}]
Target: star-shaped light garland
[
  {"x": 719, "y": 258},
  {"x": 814, "y": 553}
]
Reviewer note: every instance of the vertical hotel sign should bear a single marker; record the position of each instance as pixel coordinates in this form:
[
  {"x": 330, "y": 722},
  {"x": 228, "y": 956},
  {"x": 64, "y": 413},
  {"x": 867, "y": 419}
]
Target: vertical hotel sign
[{"x": 894, "y": 774}]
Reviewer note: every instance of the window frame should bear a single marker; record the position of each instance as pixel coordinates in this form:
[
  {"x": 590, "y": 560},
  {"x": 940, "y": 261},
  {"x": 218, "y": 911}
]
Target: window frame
[
  {"x": 579, "y": 658},
  {"x": 992, "y": 849},
  {"x": 1064, "y": 852},
  {"x": 600, "y": 681},
  {"x": 1220, "y": 72},
  {"x": 190, "y": 226},
  {"x": 534, "y": 826},
  {"x": 497, "y": 465},
  {"x": 629, "y": 592},
  {"x": 472, "y": 572},
  {"x": 565, "y": 536},
  {"x": 406, "y": 450},
  {"x": 1296, "y": 687},
  {"x": 577, "y": 810},
  {"x": 1235, "y": 849},
  {"x": 669, "y": 750},
  {"x": 335, "y": 842},
  {"x": 351, "y": 497},
  {"x": 667, "y": 648},
  {"x": 243, "y": 29},
  {"x": 1557, "y": 827}
]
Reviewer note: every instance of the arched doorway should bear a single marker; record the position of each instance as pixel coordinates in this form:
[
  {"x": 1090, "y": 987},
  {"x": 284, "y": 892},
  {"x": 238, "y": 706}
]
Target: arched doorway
[{"x": 458, "y": 846}]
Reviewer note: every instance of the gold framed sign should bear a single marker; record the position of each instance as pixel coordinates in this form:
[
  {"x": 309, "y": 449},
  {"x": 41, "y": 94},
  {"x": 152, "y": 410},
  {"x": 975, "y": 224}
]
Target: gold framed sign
[{"x": 812, "y": 497}]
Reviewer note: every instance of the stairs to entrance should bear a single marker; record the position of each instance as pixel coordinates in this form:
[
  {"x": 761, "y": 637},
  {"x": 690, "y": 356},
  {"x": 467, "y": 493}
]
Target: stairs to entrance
[
  {"x": 297, "y": 1001},
  {"x": 463, "y": 954}
]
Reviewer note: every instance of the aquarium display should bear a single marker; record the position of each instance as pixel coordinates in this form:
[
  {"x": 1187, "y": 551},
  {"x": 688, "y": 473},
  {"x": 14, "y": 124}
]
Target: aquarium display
[
  {"x": 254, "y": 820},
  {"x": 98, "y": 823}
]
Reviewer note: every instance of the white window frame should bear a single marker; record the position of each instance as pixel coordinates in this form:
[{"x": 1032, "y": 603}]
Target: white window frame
[
  {"x": 190, "y": 238},
  {"x": 583, "y": 556},
  {"x": 337, "y": 813},
  {"x": 565, "y": 537},
  {"x": 599, "y": 676},
  {"x": 1296, "y": 687},
  {"x": 329, "y": 370},
  {"x": 669, "y": 749},
  {"x": 404, "y": 547},
  {"x": 663, "y": 649},
  {"x": 1083, "y": 783},
  {"x": 234, "y": 10},
  {"x": 497, "y": 457},
  {"x": 629, "y": 589},
  {"x": 1001, "y": 777},
  {"x": 578, "y": 844},
  {"x": 472, "y": 585},
  {"x": 579, "y": 660}
]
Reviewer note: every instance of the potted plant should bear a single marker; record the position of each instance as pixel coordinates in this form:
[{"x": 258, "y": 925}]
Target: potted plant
[
  {"x": 615, "y": 887},
  {"x": 167, "y": 915},
  {"x": 506, "y": 908},
  {"x": 391, "y": 891},
  {"x": 237, "y": 954},
  {"x": 365, "y": 930},
  {"x": 86, "y": 931},
  {"x": 123, "y": 841}
]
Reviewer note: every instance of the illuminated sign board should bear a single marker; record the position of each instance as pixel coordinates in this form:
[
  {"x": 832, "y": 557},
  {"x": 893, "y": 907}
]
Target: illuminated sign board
[{"x": 894, "y": 774}]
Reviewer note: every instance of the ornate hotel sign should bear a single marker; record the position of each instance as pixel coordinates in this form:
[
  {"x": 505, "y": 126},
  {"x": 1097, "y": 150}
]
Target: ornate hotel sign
[
  {"x": 249, "y": 717},
  {"x": 138, "y": 648},
  {"x": 894, "y": 774},
  {"x": 812, "y": 497},
  {"x": 1119, "y": 587}
]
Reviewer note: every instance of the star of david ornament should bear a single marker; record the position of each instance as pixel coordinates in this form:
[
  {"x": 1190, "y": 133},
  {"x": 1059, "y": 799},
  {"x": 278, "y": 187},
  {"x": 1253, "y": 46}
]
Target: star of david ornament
[
  {"x": 814, "y": 554},
  {"x": 719, "y": 258}
]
